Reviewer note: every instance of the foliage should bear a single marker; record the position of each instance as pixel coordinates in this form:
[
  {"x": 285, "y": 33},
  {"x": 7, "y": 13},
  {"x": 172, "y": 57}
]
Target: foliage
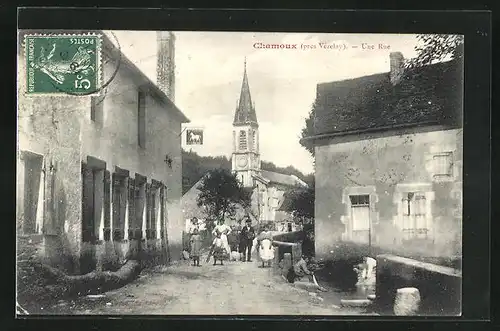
[
  {"x": 220, "y": 192},
  {"x": 308, "y": 129},
  {"x": 195, "y": 166},
  {"x": 436, "y": 48},
  {"x": 302, "y": 202}
]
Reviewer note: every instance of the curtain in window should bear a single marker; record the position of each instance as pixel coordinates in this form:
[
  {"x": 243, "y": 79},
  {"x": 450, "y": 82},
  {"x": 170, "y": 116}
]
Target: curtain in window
[
  {"x": 414, "y": 215},
  {"x": 360, "y": 218},
  {"x": 443, "y": 164}
]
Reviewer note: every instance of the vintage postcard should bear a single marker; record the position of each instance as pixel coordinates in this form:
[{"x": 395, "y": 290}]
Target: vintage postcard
[{"x": 239, "y": 173}]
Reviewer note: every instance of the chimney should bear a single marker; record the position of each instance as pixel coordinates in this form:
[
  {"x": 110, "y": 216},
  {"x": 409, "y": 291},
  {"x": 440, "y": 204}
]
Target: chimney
[
  {"x": 397, "y": 67},
  {"x": 165, "y": 63}
]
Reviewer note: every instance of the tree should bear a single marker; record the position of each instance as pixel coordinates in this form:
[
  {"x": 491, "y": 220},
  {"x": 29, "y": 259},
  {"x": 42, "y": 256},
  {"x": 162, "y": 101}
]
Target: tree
[
  {"x": 220, "y": 192},
  {"x": 302, "y": 202},
  {"x": 308, "y": 129},
  {"x": 435, "y": 48}
]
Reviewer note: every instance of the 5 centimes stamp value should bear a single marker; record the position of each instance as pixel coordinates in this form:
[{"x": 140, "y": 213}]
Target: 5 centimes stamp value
[{"x": 63, "y": 64}]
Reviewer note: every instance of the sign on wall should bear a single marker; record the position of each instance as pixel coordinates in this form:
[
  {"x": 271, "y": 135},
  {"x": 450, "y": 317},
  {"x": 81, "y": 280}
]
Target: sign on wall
[{"x": 194, "y": 136}]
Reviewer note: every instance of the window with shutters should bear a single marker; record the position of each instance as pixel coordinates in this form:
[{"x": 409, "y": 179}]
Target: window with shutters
[
  {"x": 107, "y": 205},
  {"x": 96, "y": 109},
  {"x": 131, "y": 208},
  {"x": 88, "y": 202},
  {"x": 150, "y": 212},
  {"x": 443, "y": 165},
  {"x": 141, "y": 119},
  {"x": 243, "y": 140},
  {"x": 33, "y": 193},
  {"x": 119, "y": 197},
  {"x": 414, "y": 215},
  {"x": 140, "y": 206},
  {"x": 162, "y": 211},
  {"x": 96, "y": 197}
]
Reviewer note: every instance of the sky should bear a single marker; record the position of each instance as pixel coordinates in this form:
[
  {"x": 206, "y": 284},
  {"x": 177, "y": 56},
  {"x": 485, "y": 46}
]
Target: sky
[{"x": 209, "y": 73}]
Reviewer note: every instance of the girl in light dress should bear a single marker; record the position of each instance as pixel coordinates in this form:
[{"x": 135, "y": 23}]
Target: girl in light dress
[
  {"x": 265, "y": 247},
  {"x": 217, "y": 250}
]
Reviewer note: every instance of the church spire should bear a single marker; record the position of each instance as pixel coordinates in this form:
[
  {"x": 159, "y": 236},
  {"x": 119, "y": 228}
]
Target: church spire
[{"x": 245, "y": 111}]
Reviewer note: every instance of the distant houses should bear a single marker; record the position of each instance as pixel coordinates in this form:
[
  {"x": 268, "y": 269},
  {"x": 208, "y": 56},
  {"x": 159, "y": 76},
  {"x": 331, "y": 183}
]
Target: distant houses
[{"x": 388, "y": 155}]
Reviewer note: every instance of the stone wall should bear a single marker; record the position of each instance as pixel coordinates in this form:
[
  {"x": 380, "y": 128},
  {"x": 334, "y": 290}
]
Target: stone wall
[
  {"x": 383, "y": 165},
  {"x": 48, "y": 129},
  {"x": 440, "y": 287},
  {"x": 60, "y": 132}
]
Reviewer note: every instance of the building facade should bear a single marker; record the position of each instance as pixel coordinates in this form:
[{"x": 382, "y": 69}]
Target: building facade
[
  {"x": 97, "y": 169},
  {"x": 388, "y": 151},
  {"x": 268, "y": 186}
]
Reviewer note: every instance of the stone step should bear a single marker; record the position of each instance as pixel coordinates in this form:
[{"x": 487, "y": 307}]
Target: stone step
[{"x": 355, "y": 303}]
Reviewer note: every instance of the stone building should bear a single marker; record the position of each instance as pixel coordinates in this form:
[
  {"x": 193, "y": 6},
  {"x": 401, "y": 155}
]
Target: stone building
[
  {"x": 388, "y": 155},
  {"x": 268, "y": 186},
  {"x": 99, "y": 178}
]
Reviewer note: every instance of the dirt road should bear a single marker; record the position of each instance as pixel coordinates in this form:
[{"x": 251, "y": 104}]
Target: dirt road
[{"x": 236, "y": 288}]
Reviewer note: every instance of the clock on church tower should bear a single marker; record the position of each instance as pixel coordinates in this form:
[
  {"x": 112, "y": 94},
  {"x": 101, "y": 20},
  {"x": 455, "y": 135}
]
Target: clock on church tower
[{"x": 242, "y": 162}]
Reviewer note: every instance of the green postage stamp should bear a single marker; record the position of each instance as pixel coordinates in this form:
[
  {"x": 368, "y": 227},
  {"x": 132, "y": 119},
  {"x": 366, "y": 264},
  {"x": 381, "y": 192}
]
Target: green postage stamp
[{"x": 63, "y": 64}]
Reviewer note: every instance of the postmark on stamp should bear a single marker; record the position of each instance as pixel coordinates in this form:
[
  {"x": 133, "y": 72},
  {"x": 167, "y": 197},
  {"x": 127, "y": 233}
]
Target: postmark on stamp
[{"x": 63, "y": 64}]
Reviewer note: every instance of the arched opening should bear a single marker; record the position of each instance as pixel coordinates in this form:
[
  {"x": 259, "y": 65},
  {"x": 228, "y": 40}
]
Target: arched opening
[{"x": 243, "y": 140}]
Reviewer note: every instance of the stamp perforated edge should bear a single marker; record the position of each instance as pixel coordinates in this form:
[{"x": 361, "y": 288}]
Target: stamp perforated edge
[{"x": 99, "y": 62}]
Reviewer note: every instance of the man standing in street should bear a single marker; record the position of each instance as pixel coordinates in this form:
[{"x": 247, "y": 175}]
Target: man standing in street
[{"x": 247, "y": 236}]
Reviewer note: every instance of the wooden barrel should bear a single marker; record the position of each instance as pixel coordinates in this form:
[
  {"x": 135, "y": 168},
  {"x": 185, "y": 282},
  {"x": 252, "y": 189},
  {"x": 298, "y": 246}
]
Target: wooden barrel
[{"x": 407, "y": 301}]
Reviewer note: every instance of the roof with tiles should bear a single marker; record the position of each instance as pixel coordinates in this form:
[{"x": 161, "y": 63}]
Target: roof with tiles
[{"x": 426, "y": 95}]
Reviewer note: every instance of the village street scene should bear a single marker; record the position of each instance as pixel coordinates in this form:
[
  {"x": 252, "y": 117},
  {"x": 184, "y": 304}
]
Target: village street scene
[{"x": 239, "y": 173}]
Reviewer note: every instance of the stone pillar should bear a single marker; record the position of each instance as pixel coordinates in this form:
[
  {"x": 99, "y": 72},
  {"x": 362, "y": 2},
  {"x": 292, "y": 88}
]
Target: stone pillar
[
  {"x": 287, "y": 263},
  {"x": 296, "y": 252},
  {"x": 407, "y": 301},
  {"x": 276, "y": 264}
]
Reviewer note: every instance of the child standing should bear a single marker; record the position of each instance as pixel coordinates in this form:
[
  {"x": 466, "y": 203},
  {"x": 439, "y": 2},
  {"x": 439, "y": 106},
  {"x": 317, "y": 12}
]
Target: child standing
[
  {"x": 195, "y": 242},
  {"x": 217, "y": 250}
]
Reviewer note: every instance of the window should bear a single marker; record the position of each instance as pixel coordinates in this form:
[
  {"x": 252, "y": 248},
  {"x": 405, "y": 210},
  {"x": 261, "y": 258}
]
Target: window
[
  {"x": 88, "y": 203},
  {"x": 254, "y": 140},
  {"x": 107, "y": 205},
  {"x": 141, "y": 119},
  {"x": 95, "y": 200},
  {"x": 119, "y": 195},
  {"x": 162, "y": 211},
  {"x": 360, "y": 212},
  {"x": 151, "y": 212},
  {"x": 140, "y": 205},
  {"x": 443, "y": 163},
  {"x": 414, "y": 215},
  {"x": 96, "y": 109},
  {"x": 243, "y": 140},
  {"x": 34, "y": 189}
]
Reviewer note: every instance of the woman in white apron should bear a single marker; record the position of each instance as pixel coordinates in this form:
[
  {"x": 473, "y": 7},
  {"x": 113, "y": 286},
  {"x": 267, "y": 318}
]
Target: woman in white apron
[{"x": 224, "y": 230}]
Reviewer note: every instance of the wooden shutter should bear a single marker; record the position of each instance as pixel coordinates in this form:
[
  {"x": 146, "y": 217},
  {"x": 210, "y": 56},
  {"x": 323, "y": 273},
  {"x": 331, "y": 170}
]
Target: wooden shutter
[
  {"x": 154, "y": 203},
  {"x": 139, "y": 205},
  {"x": 131, "y": 208},
  {"x": 116, "y": 193},
  {"x": 148, "y": 211},
  {"x": 162, "y": 212},
  {"x": 107, "y": 205},
  {"x": 88, "y": 231}
]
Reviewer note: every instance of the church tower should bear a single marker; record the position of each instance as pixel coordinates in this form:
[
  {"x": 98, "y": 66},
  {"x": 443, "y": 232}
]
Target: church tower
[
  {"x": 246, "y": 157},
  {"x": 165, "y": 63}
]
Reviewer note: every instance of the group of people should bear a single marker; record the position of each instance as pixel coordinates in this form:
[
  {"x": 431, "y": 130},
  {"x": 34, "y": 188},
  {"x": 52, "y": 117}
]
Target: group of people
[{"x": 233, "y": 243}]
